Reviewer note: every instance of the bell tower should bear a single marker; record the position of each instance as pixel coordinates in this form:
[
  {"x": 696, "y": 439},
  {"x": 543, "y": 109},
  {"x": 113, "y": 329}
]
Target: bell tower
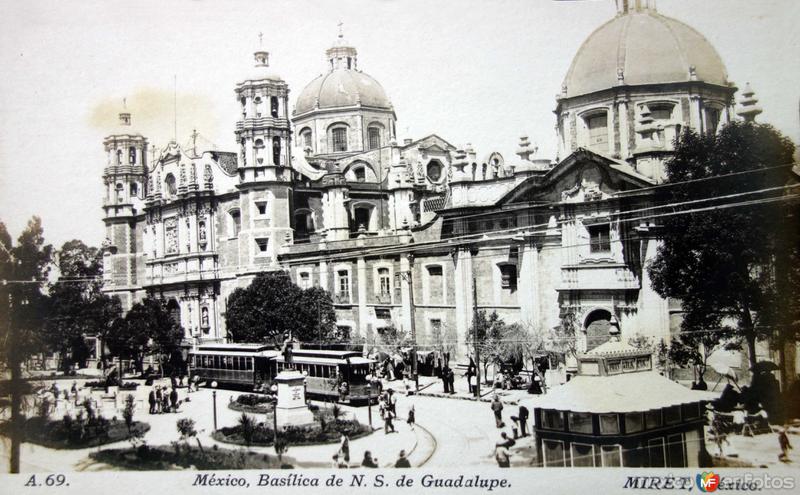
[
  {"x": 265, "y": 174},
  {"x": 125, "y": 181}
]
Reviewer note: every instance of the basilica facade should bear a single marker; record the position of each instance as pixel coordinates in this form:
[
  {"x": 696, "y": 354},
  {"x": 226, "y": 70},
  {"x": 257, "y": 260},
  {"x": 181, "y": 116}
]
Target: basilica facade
[{"x": 419, "y": 233}]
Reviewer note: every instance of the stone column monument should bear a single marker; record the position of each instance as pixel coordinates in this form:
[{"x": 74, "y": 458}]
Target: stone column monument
[{"x": 291, "y": 408}]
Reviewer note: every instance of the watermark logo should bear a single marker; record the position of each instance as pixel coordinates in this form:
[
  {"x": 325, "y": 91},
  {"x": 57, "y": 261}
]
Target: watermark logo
[{"x": 707, "y": 481}]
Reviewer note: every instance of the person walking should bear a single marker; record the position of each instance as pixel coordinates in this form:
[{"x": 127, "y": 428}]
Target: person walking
[
  {"x": 151, "y": 398},
  {"x": 173, "y": 399},
  {"x": 392, "y": 402},
  {"x": 446, "y": 380},
  {"x": 165, "y": 402},
  {"x": 412, "y": 417},
  {"x": 387, "y": 422},
  {"x": 402, "y": 460},
  {"x": 159, "y": 398},
  {"x": 497, "y": 408},
  {"x": 522, "y": 421},
  {"x": 451, "y": 380},
  {"x": 368, "y": 461},
  {"x": 783, "y": 441},
  {"x": 344, "y": 448}
]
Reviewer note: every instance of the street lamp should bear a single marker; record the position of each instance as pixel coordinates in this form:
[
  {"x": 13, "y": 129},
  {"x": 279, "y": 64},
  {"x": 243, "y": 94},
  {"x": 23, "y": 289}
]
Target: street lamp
[
  {"x": 214, "y": 398},
  {"x": 274, "y": 390}
]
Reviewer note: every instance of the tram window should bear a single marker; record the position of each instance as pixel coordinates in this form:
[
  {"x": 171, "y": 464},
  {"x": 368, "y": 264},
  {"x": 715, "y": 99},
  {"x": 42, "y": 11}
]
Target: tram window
[{"x": 236, "y": 363}]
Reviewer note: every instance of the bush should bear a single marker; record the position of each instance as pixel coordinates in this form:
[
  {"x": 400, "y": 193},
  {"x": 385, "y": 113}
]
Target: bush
[
  {"x": 326, "y": 430},
  {"x": 146, "y": 458},
  {"x": 252, "y": 399},
  {"x": 75, "y": 433},
  {"x": 112, "y": 383}
]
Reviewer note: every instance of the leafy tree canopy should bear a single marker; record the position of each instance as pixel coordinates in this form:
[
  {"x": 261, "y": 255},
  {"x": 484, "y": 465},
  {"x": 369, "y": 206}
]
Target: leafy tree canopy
[
  {"x": 272, "y": 305},
  {"x": 719, "y": 262}
]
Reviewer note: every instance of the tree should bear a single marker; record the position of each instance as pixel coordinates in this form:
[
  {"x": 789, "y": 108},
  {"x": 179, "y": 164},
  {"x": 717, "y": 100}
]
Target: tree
[
  {"x": 147, "y": 329},
  {"x": 272, "y": 306},
  {"x": 79, "y": 307},
  {"x": 563, "y": 339},
  {"x": 524, "y": 342},
  {"x": 490, "y": 334},
  {"x": 23, "y": 269},
  {"x": 719, "y": 262}
]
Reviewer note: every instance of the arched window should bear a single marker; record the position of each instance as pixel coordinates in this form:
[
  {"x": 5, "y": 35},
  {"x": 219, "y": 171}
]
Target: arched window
[
  {"x": 258, "y": 146},
  {"x": 243, "y": 101},
  {"x": 712, "y": 119},
  {"x": 132, "y": 155},
  {"x": 339, "y": 139},
  {"x": 134, "y": 190},
  {"x": 273, "y": 106},
  {"x": 120, "y": 190},
  {"x": 305, "y": 138},
  {"x": 235, "y": 222},
  {"x": 276, "y": 151},
  {"x": 169, "y": 182},
  {"x": 259, "y": 106},
  {"x": 119, "y": 157},
  {"x": 362, "y": 216},
  {"x": 174, "y": 310},
  {"x": 374, "y": 137},
  {"x": 596, "y": 326}
]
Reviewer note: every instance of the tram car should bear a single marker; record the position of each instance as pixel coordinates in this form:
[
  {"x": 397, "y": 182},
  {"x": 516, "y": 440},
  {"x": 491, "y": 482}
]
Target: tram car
[
  {"x": 250, "y": 365},
  {"x": 244, "y": 365}
]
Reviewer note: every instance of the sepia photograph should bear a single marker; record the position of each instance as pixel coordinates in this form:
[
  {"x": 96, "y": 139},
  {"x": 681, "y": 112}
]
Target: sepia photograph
[{"x": 246, "y": 245}]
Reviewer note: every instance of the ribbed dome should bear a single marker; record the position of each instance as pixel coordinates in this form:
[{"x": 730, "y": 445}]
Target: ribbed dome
[
  {"x": 342, "y": 88},
  {"x": 649, "y": 48}
]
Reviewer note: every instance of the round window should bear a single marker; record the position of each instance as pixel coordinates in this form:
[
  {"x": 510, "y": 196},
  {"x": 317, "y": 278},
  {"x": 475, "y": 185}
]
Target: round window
[{"x": 434, "y": 171}]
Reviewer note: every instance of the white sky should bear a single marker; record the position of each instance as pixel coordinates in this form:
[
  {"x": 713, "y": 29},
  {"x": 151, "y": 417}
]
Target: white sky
[{"x": 484, "y": 72}]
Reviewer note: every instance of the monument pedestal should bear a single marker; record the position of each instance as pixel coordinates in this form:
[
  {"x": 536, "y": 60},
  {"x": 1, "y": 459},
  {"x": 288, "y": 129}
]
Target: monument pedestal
[{"x": 291, "y": 408}]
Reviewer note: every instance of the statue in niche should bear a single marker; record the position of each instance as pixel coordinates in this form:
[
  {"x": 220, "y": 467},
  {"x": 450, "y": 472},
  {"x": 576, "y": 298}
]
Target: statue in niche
[
  {"x": 208, "y": 177},
  {"x": 204, "y": 317}
]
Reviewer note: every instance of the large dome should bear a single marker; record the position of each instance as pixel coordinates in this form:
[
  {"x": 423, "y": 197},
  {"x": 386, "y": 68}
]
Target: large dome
[
  {"x": 342, "y": 88},
  {"x": 649, "y": 48}
]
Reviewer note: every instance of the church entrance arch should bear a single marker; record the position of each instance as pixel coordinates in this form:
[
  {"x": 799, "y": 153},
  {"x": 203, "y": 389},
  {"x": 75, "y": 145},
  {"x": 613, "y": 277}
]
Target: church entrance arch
[
  {"x": 596, "y": 327},
  {"x": 174, "y": 310}
]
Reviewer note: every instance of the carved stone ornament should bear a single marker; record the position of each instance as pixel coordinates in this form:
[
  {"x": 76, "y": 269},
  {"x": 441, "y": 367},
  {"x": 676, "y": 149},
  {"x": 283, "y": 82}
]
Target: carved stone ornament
[
  {"x": 193, "y": 174},
  {"x": 183, "y": 175},
  {"x": 149, "y": 184},
  {"x": 158, "y": 182}
]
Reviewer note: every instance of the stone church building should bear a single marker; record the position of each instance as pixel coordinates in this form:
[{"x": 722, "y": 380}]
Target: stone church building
[{"x": 321, "y": 187}]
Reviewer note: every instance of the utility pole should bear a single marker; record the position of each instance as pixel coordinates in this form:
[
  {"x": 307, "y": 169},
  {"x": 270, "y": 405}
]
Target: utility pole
[
  {"x": 475, "y": 338},
  {"x": 410, "y": 276}
]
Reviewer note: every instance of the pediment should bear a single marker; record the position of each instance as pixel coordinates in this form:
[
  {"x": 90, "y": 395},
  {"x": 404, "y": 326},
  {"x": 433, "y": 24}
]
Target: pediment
[{"x": 583, "y": 176}]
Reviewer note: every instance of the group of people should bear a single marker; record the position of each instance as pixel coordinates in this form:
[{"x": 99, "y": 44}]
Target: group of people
[
  {"x": 502, "y": 452},
  {"x": 448, "y": 380},
  {"x": 163, "y": 400},
  {"x": 341, "y": 459},
  {"x": 387, "y": 405}
]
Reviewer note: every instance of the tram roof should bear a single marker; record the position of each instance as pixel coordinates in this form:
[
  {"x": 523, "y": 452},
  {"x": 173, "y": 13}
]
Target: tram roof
[{"x": 321, "y": 360}]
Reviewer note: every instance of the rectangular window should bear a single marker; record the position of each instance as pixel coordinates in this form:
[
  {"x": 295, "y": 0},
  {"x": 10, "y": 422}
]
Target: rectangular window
[
  {"x": 600, "y": 238},
  {"x": 691, "y": 411},
  {"x": 676, "y": 451},
  {"x": 611, "y": 455},
  {"x": 339, "y": 136},
  {"x": 508, "y": 277},
  {"x": 655, "y": 449},
  {"x": 385, "y": 282},
  {"x": 436, "y": 327},
  {"x": 672, "y": 415},
  {"x": 598, "y": 131},
  {"x": 652, "y": 419},
  {"x": 609, "y": 424},
  {"x": 262, "y": 245},
  {"x": 553, "y": 453},
  {"x": 305, "y": 280},
  {"x": 628, "y": 365},
  {"x": 580, "y": 422},
  {"x": 643, "y": 363},
  {"x": 343, "y": 285},
  {"x": 634, "y": 422},
  {"x": 261, "y": 206},
  {"x": 613, "y": 367},
  {"x": 582, "y": 455},
  {"x": 553, "y": 420},
  {"x": 236, "y": 223},
  {"x": 374, "y": 138}
]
